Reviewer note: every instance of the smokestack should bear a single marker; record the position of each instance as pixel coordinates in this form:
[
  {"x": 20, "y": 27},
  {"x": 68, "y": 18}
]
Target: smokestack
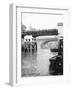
[{"x": 60, "y": 28}]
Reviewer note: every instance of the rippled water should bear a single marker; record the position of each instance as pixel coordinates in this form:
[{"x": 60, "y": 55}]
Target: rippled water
[{"x": 37, "y": 63}]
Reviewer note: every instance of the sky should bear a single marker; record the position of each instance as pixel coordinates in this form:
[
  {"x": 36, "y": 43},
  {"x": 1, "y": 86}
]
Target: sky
[{"x": 41, "y": 21}]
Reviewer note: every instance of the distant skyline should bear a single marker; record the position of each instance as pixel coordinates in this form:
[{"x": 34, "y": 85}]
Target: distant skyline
[{"x": 41, "y": 21}]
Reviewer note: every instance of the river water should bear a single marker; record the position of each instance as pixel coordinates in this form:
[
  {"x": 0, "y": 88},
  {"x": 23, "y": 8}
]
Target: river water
[{"x": 36, "y": 63}]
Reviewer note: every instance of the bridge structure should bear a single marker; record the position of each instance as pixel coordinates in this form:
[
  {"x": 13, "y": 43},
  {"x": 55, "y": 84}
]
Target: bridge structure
[{"x": 37, "y": 33}]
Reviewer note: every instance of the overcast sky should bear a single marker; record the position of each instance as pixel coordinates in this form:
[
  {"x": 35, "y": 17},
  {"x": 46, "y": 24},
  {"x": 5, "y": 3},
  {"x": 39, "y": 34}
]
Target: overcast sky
[{"x": 41, "y": 21}]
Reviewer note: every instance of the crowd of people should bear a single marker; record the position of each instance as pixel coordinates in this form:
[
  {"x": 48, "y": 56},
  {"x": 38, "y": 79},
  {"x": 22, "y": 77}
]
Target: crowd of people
[{"x": 29, "y": 45}]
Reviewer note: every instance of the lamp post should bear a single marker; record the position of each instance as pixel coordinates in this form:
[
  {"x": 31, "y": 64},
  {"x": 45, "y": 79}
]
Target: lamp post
[{"x": 60, "y": 28}]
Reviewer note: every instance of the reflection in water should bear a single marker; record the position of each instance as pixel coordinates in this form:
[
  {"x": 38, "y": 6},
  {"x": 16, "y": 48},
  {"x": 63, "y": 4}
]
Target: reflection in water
[{"x": 36, "y": 63}]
